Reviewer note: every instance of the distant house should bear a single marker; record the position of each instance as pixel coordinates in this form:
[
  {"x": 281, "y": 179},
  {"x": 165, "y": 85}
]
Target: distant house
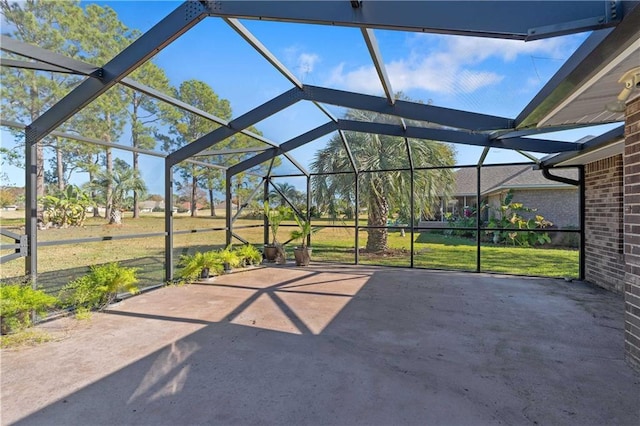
[
  {"x": 556, "y": 201},
  {"x": 149, "y": 205},
  {"x": 185, "y": 206}
]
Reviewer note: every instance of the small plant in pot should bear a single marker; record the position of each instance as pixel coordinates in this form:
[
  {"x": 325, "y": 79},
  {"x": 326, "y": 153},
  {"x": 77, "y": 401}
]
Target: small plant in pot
[
  {"x": 276, "y": 216},
  {"x": 229, "y": 259},
  {"x": 302, "y": 253},
  {"x": 200, "y": 265},
  {"x": 249, "y": 255}
]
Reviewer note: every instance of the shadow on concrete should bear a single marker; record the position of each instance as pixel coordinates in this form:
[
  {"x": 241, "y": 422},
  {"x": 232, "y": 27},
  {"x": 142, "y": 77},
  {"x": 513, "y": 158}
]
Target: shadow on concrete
[{"x": 349, "y": 345}]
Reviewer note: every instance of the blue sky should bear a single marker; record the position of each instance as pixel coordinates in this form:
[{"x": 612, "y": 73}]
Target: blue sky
[{"x": 475, "y": 74}]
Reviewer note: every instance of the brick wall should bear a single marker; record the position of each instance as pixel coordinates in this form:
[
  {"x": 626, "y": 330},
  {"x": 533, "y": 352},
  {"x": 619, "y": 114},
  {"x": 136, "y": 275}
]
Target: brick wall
[
  {"x": 604, "y": 237},
  {"x": 632, "y": 233},
  {"x": 557, "y": 205}
]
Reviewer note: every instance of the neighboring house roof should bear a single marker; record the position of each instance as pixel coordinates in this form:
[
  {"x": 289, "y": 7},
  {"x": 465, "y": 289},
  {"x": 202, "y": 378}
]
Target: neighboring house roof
[
  {"x": 150, "y": 204},
  {"x": 187, "y": 205},
  {"x": 507, "y": 177}
]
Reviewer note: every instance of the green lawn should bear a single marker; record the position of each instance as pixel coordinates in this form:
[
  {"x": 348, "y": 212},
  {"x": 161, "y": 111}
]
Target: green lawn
[
  {"x": 438, "y": 251},
  {"x": 62, "y": 263}
]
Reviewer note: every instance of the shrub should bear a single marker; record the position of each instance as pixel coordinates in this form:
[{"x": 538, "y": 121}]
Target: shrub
[
  {"x": 100, "y": 287},
  {"x": 18, "y": 302},
  {"x": 249, "y": 255},
  {"x": 465, "y": 221},
  {"x": 230, "y": 257},
  {"x": 192, "y": 265},
  {"x": 67, "y": 207},
  {"x": 514, "y": 228}
]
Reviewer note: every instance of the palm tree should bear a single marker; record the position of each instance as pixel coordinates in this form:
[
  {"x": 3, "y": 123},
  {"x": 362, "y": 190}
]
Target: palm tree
[
  {"x": 124, "y": 180},
  {"x": 380, "y": 191},
  {"x": 289, "y": 191}
]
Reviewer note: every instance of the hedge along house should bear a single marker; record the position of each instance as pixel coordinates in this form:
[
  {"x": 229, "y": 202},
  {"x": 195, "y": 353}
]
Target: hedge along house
[{"x": 598, "y": 84}]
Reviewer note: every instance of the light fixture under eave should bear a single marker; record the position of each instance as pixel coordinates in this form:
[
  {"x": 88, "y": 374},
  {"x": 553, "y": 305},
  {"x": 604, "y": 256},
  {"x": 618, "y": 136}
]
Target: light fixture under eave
[{"x": 631, "y": 80}]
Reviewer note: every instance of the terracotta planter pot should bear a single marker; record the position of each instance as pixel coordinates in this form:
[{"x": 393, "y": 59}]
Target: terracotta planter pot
[
  {"x": 270, "y": 252},
  {"x": 302, "y": 255}
]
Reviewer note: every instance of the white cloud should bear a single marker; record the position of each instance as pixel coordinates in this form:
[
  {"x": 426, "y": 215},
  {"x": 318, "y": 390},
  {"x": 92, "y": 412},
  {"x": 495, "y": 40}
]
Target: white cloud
[
  {"x": 301, "y": 63},
  {"x": 446, "y": 64},
  {"x": 306, "y": 62},
  {"x": 477, "y": 49}
]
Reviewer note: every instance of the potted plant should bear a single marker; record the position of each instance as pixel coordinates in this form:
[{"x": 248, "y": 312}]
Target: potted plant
[
  {"x": 249, "y": 255},
  {"x": 302, "y": 253},
  {"x": 275, "y": 216},
  {"x": 229, "y": 259},
  {"x": 200, "y": 265}
]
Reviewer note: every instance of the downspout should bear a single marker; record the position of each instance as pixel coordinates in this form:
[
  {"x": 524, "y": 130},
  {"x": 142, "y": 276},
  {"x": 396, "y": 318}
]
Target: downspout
[
  {"x": 548, "y": 175},
  {"x": 579, "y": 183}
]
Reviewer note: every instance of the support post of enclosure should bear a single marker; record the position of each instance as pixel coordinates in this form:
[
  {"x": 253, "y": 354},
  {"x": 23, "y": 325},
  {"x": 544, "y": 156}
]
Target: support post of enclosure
[
  {"x": 581, "y": 210},
  {"x": 411, "y": 213},
  {"x": 412, "y": 199},
  {"x": 357, "y": 236},
  {"x": 478, "y": 247},
  {"x": 168, "y": 221},
  {"x": 266, "y": 216},
  {"x": 308, "y": 214},
  {"x": 228, "y": 211},
  {"x": 31, "y": 204}
]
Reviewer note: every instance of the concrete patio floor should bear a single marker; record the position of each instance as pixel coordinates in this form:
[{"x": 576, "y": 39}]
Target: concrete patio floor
[{"x": 335, "y": 345}]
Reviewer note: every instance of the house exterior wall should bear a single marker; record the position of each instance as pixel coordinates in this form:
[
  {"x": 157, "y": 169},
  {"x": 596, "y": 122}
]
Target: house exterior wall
[
  {"x": 559, "y": 205},
  {"x": 604, "y": 237},
  {"x": 632, "y": 233}
]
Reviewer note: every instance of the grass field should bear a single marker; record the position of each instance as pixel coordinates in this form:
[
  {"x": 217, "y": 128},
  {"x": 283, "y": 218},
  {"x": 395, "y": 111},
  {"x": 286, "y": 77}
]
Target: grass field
[{"x": 59, "y": 264}]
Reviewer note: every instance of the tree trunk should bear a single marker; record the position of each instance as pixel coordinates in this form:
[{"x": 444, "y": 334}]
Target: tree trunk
[
  {"x": 96, "y": 209},
  {"x": 194, "y": 192},
  {"x": 109, "y": 166},
  {"x": 109, "y": 192},
  {"x": 377, "y": 216},
  {"x": 59, "y": 166},
  {"x": 211, "y": 203},
  {"x": 115, "y": 218},
  {"x": 136, "y": 210},
  {"x": 40, "y": 170},
  {"x": 134, "y": 142}
]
